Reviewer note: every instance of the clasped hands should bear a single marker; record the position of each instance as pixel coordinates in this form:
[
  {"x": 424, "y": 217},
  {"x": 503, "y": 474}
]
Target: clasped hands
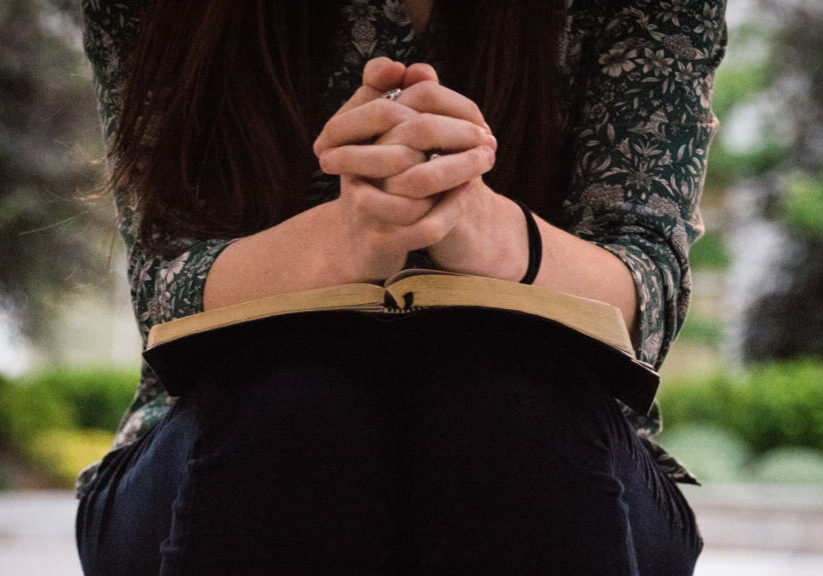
[{"x": 394, "y": 200}]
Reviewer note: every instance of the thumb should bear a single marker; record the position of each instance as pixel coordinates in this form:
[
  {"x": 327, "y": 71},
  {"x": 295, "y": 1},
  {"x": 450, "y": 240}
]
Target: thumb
[
  {"x": 379, "y": 76},
  {"x": 419, "y": 72},
  {"x": 383, "y": 74}
]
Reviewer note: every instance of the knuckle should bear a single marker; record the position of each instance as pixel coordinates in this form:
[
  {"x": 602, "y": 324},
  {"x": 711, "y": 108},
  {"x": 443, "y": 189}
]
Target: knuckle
[
  {"x": 319, "y": 144},
  {"x": 418, "y": 183},
  {"x": 429, "y": 88},
  {"x": 380, "y": 109},
  {"x": 430, "y": 232},
  {"x": 386, "y": 112},
  {"x": 390, "y": 186},
  {"x": 425, "y": 127},
  {"x": 419, "y": 95},
  {"x": 400, "y": 160},
  {"x": 427, "y": 180},
  {"x": 412, "y": 157},
  {"x": 478, "y": 157},
  {"x": 359, "y": 199},
  {"x": 407, "y": 213},
  {"x": 481, "y": 158},
  {"x": 327, "y": 160}
]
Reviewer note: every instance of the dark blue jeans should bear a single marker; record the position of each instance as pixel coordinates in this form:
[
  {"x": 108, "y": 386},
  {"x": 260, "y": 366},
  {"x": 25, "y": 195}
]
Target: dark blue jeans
[{"x": 409, "y": 447}]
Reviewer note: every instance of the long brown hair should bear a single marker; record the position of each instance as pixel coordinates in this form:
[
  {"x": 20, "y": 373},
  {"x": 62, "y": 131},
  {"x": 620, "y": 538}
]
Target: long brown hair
[{"x": 214, "y": 138}]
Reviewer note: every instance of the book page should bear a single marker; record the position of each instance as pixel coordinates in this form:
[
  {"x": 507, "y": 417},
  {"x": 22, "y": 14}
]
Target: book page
[
  {"x": 366, "y": 297},
  {"x": 593, "y": 318}
]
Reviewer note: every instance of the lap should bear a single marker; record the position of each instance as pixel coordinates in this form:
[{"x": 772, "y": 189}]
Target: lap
[{"x": 466, "y": 449}]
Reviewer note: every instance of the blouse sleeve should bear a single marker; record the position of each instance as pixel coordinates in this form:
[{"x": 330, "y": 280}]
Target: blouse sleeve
[
  {"x": 640, "y": 137},
  {"x": 161, "y": 289}
]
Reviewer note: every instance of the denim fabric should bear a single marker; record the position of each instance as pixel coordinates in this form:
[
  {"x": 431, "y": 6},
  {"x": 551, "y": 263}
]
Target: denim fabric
[{"x": 442, "y": 443}]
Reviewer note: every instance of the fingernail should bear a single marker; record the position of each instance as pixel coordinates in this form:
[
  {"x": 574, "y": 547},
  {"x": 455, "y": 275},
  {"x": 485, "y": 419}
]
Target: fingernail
[
  {"x": 491, "y": 141},
  {"x": 487, "y": 127}
]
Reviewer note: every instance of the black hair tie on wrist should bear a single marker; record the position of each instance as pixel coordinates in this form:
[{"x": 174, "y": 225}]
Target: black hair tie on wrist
[{"x": 535, "y": 245}]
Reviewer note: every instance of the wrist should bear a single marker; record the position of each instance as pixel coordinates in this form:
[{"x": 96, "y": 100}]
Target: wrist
[
  {"x": 490, "y": 240},
  {"x": 513, "y": 260}
]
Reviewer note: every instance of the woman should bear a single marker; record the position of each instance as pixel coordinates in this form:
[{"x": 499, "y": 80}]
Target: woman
[{"x": 595, "y": 115}]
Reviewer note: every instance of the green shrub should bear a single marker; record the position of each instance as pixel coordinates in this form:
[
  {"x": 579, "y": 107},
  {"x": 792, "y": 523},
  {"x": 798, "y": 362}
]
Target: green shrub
[
  {"x": 64, "y": 399},
  {"x": 703, "y": 398},
  {"x": 780, "y": 404},
  {"x": 62, "y": 420},
  {"x": 768, "y": 406},
  {"x": 62, "y": 454},
  {"x": 25, "y": 411}
]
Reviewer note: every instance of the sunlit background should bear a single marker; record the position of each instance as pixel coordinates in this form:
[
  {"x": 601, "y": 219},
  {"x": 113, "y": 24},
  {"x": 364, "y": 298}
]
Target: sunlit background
[{"x": 743, "y": 386}]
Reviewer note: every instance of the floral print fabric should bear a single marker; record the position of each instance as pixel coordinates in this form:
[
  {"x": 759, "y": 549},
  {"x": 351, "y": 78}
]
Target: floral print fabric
[{"x": 635, "y": 110}]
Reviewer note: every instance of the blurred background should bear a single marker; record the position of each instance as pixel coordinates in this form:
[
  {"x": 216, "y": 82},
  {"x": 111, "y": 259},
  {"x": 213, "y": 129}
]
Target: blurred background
[{"x": 743, "y": 385}]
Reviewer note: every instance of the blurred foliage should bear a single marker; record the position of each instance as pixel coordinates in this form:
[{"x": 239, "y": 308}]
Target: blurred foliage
[
  {"x": 768, "y": 405},
  {"x": 769, "y": 154},
  {"x": 710, "y": 252},
  {"x": 714, "y": 454},
  {"x": 801, "y": 45},
  {"x": 740, "y": 81},
  {"x": 728, "y": 168},
  {"x": 62, "y": 420},
  {"x": 764, "y": 424},
  {"x": 803, "y": 206},
  {"x": 701, "y": 331},
  {"x": 739, "y": 84},
  {"x": 64, "y": 398},
  {"x": 49, "y": 148},
  {"x": 62, "y": 454}
]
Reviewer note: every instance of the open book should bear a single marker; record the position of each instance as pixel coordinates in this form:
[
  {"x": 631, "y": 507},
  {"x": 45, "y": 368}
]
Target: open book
[{"x": 595, "y": 327}]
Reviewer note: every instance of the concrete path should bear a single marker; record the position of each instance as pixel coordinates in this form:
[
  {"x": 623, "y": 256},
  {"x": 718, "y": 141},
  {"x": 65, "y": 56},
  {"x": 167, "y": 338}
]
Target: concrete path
[
  {"x": 751, "y": 531},
  {"x": 37, "y": 534}
]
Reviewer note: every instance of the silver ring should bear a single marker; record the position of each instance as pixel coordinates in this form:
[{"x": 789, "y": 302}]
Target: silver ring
[
  {"x": 392, "y": 94},
  {"x": 432, "y": 156}
]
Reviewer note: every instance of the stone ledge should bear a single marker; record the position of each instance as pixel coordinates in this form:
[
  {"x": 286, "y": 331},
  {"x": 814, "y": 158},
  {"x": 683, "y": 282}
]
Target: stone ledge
[{"x": 757, "y": 516}]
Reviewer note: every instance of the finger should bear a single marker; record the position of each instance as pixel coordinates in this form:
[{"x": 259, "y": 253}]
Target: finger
[
  {"x": 383, "y": 74},
  {"x": 429, "y": 96},
  {"x": 419, "y": 72},
  {"x": 438, "y": 222},
  {"x": 361, "y": 124},
  {"x": 370, "y": 161},
  {"x": 436, "y": 132},
  {"x": 441, "y": 174},
  {"x": 373, "y": 205},
  {"x": 379, "y": 76}
]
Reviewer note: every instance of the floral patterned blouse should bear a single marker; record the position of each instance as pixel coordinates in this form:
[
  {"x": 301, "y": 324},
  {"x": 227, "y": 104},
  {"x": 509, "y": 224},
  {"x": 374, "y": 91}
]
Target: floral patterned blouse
[{"x": 636, "y": 88}]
